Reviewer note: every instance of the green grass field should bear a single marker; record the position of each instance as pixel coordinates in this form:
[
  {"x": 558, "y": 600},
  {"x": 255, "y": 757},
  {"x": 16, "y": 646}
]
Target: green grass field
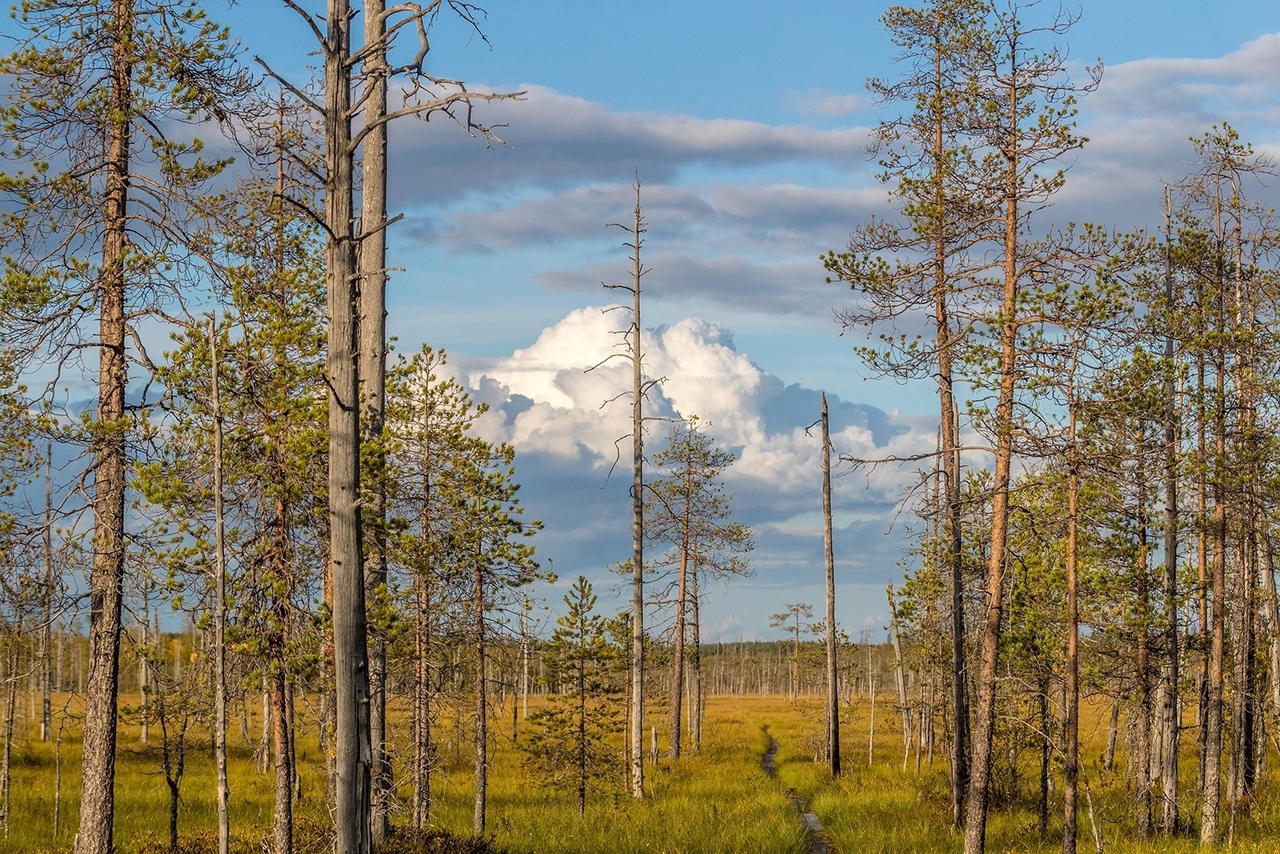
[{"x": 719, "y": 800}]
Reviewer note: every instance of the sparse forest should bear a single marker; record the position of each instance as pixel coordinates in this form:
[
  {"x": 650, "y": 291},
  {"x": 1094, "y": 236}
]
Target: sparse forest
[{"x": 273, "y": 586}]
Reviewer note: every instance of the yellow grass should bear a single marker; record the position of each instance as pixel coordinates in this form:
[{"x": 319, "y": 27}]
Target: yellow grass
[{"x": 717, "y": 801}]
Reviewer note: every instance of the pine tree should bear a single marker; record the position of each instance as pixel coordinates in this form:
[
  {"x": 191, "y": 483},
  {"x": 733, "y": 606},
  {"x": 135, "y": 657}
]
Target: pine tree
[
  {"x": 571, "y": 741},
  {"x": 89, "y": 87},
  {"x": 691, "y": 513}
]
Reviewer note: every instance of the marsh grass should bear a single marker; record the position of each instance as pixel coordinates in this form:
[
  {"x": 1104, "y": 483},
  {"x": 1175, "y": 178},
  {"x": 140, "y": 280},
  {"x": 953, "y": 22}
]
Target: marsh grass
[{"x": 716, "y": 801}]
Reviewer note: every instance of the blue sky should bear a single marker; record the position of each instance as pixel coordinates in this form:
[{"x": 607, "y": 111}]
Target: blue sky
[{"x": 745, "y": 121}]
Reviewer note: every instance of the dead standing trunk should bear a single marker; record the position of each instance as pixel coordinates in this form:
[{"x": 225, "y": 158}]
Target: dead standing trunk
[
  {"x": 1170, "y": 710},
  {"x": 373, "y": 359},
  {"x": 346, "y": 559},
  {"x": 833, "y": 682},
  {"x": 220, "y": 607},
  {"x": 482, "y": 703}
]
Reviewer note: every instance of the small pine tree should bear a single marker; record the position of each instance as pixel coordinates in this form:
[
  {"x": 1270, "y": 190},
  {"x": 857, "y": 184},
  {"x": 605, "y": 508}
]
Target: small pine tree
[{"x": 572, "y": 739}]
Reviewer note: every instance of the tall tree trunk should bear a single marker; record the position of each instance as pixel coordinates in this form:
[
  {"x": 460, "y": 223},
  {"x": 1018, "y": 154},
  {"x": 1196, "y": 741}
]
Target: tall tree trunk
[
  {"x": 1071, "y": 713},
  {"x": 1046, "y": 754},
  {"x": 975, "y": 828},
  {"x": 637, "y": 513},
  {"x": 282, "y": 754},
  {"x": 828, "y": 552},
  {"x": 1142, "y": 742},
  {"x": 106, "y": 581},
  {"x": 677, "y": 655},
  {"x": 1272, "y": 615},
  {"x": 373, "y": 358},
  {"x": 1170, "y": 710},
  {"x": 900, "y": 679},
  {"x": 696, "y": 696},
  {"x": 46, "y": 595},
  {"x": 950, "y": 449},
  {"x": 220, "y": 606},
  {"x": 482, "y": 705},
  {"x": 581, "y": 734},
  {"x": 1211, "y": 792},
  {"x": 10, "y": 710},
  {"x": 346, "y": 558},
  {"x": 422, "y": 748}
]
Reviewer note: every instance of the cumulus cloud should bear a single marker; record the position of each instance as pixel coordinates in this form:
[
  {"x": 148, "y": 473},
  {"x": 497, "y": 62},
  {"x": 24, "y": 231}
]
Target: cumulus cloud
[{"x": 562, "y": 402}]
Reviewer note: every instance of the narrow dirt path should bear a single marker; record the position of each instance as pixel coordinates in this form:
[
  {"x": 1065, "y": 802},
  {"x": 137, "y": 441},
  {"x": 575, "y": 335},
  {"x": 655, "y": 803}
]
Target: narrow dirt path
[{"x": 815, "y": 838}]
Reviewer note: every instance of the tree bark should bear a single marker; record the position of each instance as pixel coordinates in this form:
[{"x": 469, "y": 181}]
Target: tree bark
[
  {"x": 482, "y": 706},
  {"x": 677, "y": 655},
  {"x": 282, "y": 754},
  {"x": 372, "y": 358},
  {"x": 220, "y": 607},
  {"x": 637, "y": 513},
  {"x": 1211, "y": 791},
  {"x": 46, "y": 626},
  {"x": 1170, "y": 710},
  {"x": 346, "y": 559},
  {"x": 1071, "y": 724},
  {"x": 828, "y": 552},
  {"x": 106, "y": 581},
  {"x": 975, "y": 828}
]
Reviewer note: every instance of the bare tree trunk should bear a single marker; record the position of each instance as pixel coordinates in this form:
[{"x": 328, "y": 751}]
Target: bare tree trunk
[
  {"x": 482, "y": 706},
  {"x": 106, "y": 581},
  {"x": 696, "y": 697},
  {"x": 1046, "y": 752},
  {"x": 1272, "y": 616},
  {"x": 1071, "y": 722},
  {"x": 1170, "y": 709},
  {"x": 828, "y": 552},
  {"x": 220, "y": 607},
  {"x": 422, "y": 747},
  {"x": 1142, "y": 731},
  {"x": 46, "y": 628},
  {"x": 524, "y": 658},
  {"x": 1211, "y": 793},
  {"x": 1243, "y": 645},
  {"x": 900, "y": 679},
  {"x": 372, "y": 359},
  {"x": 346, "y": 558},
  {"x": 144, "y": 677},
  {"x": 282, "y": 753},
  {"x": 677, "y": 655},
  {"x": 637, "y": 511},
  {"x": 10, "y": 710}
]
